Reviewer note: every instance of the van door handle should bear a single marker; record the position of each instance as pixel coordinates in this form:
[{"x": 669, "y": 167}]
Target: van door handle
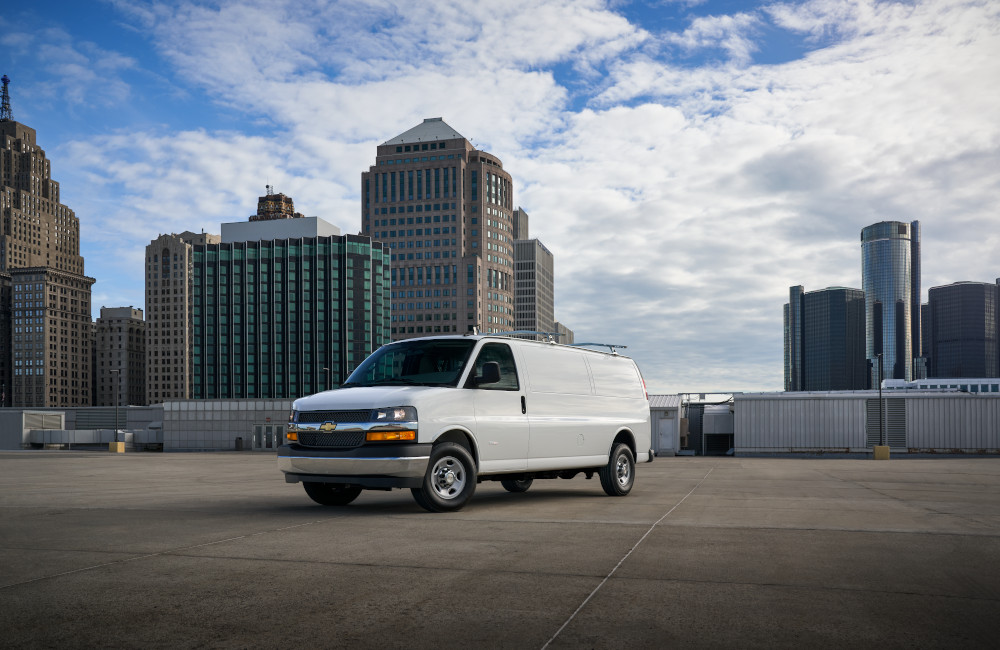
[{"x": 524, "y": 407}]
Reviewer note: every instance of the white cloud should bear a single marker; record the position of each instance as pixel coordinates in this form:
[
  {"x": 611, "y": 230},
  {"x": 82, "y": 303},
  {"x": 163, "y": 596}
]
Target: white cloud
[
  {"x": 734, "y": 34},
  {"x": 681, "y": 203},
  {"x": 77, "y": 72}
]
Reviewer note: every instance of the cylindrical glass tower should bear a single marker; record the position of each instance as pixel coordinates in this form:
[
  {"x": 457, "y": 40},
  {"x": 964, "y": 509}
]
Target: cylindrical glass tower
[{"x": 888, "y": 250}]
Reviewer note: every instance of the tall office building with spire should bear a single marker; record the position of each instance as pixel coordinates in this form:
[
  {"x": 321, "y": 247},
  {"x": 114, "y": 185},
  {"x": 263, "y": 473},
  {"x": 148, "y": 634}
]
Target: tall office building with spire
[
  {"x": 446, "y": 209},
  {"x": 891, "y": 281},
  {"x": 48, "y": 355}
]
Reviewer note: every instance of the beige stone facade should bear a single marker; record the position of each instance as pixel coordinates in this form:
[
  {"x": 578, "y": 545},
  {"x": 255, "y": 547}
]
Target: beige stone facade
[
  {"x": 169, "y": 264},
  {"x": 51, "y": 337},
  {"x": 120, "y": 357},
  {"x": 46, "y": 326},
  {"x": 446, "y": 210}
]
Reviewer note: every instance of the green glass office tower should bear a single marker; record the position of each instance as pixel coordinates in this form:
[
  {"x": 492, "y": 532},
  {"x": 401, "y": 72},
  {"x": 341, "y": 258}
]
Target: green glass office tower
[{"x": 284, "y": 318}]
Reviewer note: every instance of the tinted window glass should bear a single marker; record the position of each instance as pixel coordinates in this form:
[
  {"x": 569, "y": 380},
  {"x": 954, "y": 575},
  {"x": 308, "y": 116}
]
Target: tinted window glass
[
  {"x": 502, "y": 354},
  {"x": 430, "y": 362}
]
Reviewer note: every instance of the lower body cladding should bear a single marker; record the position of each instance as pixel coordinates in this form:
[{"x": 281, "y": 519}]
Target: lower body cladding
[
  {"x": 442, "y": 476},
  {"x": 378, "y": 467}
]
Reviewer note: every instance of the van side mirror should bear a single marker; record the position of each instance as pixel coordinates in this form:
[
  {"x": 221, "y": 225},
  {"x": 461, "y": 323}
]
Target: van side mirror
[{"x": 491, "y": 374}]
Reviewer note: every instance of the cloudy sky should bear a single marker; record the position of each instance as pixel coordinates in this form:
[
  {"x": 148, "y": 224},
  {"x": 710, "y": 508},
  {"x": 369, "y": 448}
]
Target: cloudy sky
[{"x": 685, "y": 161}]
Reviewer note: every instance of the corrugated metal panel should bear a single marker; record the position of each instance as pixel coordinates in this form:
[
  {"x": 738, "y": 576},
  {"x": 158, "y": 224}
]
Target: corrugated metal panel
[
  {"x": 825, "y": 423},
  {"x": 938, "y": 422},
  {"x": 954, "y": 422},
  {"x": 664, "y": 401}
]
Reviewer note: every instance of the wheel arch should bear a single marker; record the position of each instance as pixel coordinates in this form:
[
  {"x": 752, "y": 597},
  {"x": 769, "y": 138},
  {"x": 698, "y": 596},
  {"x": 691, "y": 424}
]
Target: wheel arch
[
  {"x": 460, "y": 437},
  {"x": 626, "y": 436}
]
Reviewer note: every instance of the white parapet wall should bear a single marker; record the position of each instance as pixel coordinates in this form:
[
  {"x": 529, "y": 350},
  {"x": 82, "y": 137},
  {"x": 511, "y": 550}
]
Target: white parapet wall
[{"x": 224, "y": 425}]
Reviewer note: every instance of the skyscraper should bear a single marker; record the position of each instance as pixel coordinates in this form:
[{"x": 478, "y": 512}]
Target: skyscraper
[
  {"x": 534, "y": 295},
  {"x": 964, "y": 330},
  {"x": 534, "y": 281},
  {"x": 793, "y": 339},
  {"x": 827, "y": 327},
  {"x": 169, "y": 277},
  {"x": 120, "y": 357},
  {"x": 284, "y": 308},
  {"x": 49, "y": 352},
  {"x": 445, "y": 210},
  {"x": 6, "y": 359},
  {"x": 890, "y": 267}
]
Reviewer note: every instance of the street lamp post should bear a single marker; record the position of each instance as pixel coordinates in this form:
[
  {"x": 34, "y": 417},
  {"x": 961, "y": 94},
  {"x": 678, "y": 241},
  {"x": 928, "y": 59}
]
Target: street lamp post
[
  {"x": 881, "y": 410},
  {"x": 117, "y": 372}
]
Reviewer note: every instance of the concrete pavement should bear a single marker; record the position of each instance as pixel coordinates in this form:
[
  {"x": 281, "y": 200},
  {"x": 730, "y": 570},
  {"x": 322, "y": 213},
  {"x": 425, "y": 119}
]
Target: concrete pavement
[{"x": 215, "y": 550}]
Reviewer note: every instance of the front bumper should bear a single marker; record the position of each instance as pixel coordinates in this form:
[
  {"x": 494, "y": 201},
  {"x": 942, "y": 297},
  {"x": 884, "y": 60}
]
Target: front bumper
[{"x": 385, "y": 465}]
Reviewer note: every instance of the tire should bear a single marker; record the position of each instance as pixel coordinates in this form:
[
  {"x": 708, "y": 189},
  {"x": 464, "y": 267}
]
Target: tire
[
  {"x": 450, "y": 480},
  {"x": 619, "y": 474},
  {"x": 516, "y": 485},
  {"x": 331, "y": 494}
]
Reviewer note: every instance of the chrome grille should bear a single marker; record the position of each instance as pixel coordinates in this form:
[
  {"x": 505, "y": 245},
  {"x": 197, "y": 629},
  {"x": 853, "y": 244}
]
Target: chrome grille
[
  {"x": 333, "y": 416},
  {"x": 341, "y": 439}
]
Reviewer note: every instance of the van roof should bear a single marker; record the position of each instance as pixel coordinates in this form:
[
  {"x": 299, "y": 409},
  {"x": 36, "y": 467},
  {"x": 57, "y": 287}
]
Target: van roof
[{"x": 504, "y": 337}]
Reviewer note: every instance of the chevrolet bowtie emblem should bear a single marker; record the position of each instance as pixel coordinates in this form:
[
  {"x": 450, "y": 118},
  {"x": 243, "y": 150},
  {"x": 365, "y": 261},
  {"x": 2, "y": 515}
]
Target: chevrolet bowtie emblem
[{"x": 328, "y": 426}]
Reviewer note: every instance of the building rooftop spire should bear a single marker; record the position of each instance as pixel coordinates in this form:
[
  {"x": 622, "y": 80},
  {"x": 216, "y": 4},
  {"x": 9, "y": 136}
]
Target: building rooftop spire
[
  {"x": 5, "y": 113},
  {"x": 432, "y": 128}
]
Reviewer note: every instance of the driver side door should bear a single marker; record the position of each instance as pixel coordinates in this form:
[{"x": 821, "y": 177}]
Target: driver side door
[{"x": 501, "y": 424}]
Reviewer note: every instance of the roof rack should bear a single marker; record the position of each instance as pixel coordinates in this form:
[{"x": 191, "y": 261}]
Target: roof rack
[
  {"x": 611, "y": 346},
  {"x": 549, "y": 336}
]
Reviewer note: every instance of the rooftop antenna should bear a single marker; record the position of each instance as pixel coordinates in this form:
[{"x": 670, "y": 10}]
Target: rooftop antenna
[
  {"x": 5, "y": 113},
  {"x": 270, "y": 189}
]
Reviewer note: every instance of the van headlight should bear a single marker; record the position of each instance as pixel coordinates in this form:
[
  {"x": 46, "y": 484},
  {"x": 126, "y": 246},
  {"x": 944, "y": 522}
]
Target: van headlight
[{"x": 394, "y": 414}]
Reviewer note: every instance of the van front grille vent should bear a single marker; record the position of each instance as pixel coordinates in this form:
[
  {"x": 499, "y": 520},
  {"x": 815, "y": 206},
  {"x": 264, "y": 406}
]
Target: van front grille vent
[
  {"x": 340, "y": 439},
  {"x": 334, "y": 416}
]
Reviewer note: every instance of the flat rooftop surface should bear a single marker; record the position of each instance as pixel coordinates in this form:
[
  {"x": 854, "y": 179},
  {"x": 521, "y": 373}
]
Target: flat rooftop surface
[{"x": 216, "y": 550}]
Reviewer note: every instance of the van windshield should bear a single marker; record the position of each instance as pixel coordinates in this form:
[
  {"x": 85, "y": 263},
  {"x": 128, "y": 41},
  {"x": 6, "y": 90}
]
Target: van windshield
[{"x": 437, "y": 362}]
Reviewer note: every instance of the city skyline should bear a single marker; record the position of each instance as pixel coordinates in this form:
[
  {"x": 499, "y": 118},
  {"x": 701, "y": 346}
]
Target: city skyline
[{"x": 685, "y": 162}]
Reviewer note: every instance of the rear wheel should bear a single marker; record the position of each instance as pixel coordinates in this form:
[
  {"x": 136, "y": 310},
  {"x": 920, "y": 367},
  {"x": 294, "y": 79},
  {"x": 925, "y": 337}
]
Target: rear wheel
[
  {"x": 331, "y": 494},
  {"x": 516, "y": 485},
  {"x": 450, "y": 480},
  {"x": 618, "y": 475}
]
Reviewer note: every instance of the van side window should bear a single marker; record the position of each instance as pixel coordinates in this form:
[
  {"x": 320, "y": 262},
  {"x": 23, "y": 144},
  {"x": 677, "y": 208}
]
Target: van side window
[{"x": 500, "y": 353}]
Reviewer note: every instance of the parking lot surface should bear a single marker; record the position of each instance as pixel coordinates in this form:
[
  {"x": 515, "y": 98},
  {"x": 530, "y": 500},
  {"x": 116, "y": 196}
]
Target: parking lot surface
[{"x": 215, "y": 550}]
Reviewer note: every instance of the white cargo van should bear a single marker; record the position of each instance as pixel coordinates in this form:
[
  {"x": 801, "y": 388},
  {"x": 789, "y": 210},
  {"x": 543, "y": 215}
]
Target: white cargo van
[{"x": 438, "y": 415}]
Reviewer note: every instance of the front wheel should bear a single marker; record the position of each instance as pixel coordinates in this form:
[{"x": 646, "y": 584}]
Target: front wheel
[
  {"x": 331, "y": 494},
  {"x": 618, "y": 475},
  {"x": 450, "y": 479}
]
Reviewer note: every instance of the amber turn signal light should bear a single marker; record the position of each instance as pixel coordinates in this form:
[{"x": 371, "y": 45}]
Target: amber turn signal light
[{"x": 385, "y": 436}]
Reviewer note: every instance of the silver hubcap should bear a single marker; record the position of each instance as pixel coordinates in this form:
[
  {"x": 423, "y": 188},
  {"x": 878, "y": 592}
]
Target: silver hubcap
[
  {"x": 622, "y": 471},
  {"x": 448, "y": 477}
]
